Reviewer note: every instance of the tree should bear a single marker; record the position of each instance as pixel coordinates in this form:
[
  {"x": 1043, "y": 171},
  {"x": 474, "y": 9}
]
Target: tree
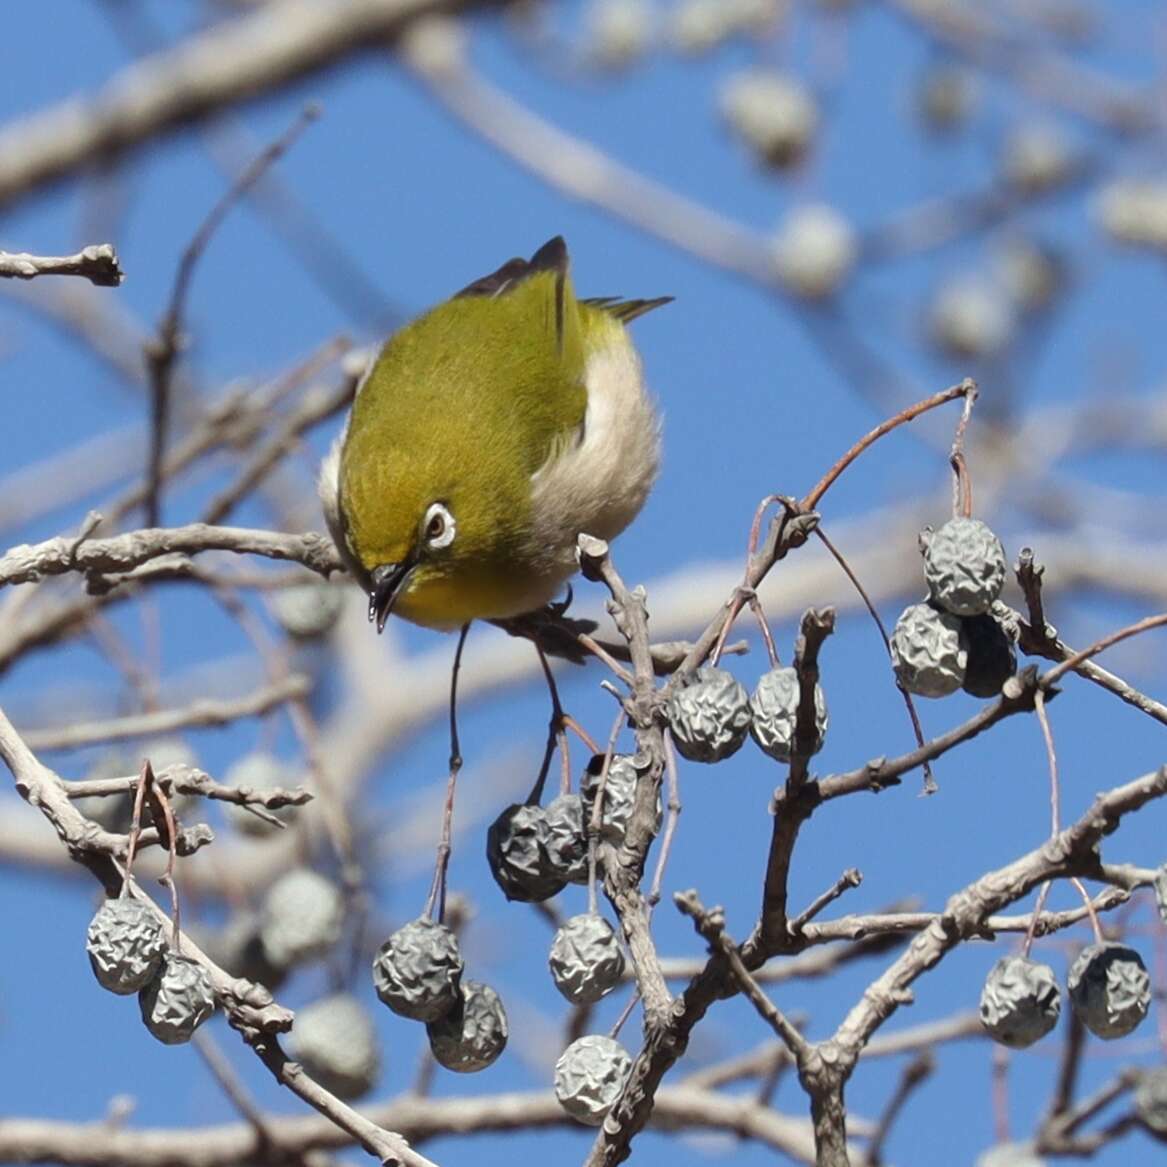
[{"x": 966, "y": 242}]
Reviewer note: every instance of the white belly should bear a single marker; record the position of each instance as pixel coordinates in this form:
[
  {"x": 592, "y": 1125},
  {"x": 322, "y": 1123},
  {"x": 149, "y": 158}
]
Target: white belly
[{"x": 598, "y": 484}]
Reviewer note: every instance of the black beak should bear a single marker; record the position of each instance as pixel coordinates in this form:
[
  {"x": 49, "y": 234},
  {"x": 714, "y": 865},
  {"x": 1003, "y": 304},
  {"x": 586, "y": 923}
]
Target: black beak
[{"x": 388, "y": 580}]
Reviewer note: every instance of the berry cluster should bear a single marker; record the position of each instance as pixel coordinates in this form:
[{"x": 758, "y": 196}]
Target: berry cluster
[
  {"x": 1110, "y": 992},
  {"x": 129, "y": 954},
  {"x": 710, "y": 715},
  {"x": 418, "y": 974},
  {"x": 959, "y": 637}
]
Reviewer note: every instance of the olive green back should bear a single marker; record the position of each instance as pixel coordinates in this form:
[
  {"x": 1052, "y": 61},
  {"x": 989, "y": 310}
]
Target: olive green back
[{"x": 462, "y": 407}]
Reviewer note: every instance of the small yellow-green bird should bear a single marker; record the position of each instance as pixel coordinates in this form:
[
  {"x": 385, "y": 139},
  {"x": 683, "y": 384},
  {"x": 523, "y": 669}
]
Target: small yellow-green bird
[{"x": 486, "y": 436}]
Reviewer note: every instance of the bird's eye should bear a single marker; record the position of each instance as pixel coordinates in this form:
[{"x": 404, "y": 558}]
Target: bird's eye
[{"x": 440, "y": 527}]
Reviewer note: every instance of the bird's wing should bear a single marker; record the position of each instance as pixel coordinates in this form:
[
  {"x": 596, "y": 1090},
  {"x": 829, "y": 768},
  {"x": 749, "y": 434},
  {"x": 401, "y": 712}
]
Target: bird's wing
[
  {"x": 549, "y": 379},
  {"x": 625, "y": 310},
  {"x": 551, "y": 257}
]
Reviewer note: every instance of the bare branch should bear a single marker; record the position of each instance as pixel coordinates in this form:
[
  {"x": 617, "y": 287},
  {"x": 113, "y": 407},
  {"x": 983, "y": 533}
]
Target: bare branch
[
  {"x": 418, "y": 1118},
  {"x": 203, "y": 713},
  {"x": 122, "y": 553},
  {"x": 230, "y": 62},
  {"x": 97, "y": 263}
]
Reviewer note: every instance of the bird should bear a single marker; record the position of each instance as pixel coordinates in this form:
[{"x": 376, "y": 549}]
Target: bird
[{"x": 484, "y": 438}]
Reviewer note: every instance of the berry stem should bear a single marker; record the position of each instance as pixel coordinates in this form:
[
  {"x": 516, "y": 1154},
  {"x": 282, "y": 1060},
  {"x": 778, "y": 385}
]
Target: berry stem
[
  {"x": 966, "y": 389},
  {"x": 674, "y": 814},
  {"x": 930, "y": 786},
  {"x": 437, "y": 897},
  {"x": 592, "y": 823}
]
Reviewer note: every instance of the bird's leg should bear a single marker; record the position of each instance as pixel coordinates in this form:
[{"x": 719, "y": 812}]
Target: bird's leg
[
  {"x": 556, "y": 736},
  {"x": 561, "y": 721},
  {"x": 437, "y": 897}
]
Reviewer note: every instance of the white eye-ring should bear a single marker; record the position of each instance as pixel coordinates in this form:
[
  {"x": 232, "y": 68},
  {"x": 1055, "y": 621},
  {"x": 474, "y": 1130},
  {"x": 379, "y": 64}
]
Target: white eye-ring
[{"x": 440, "y": 527}]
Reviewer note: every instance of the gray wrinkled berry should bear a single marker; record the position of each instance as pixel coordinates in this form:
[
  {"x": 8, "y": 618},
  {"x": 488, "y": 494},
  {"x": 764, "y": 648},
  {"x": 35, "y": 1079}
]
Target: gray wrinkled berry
[
  {"x": 567, "y": 840},
  {"x": 1151, "y": 1101},
  {"x": 1020, "y": 1002},
  {"x": 473, "y": 1033},
  {"x": 1161, "y": 892},
  {"x": 302, "y": 917},
  {"x": 709, "y": 715},
  {"x": 991, "y": 657},
  {"x": 964, "y": 564},
  {"x": 237, "y": 947},
  {"x": 125, "y": 943},
  {"x": 307, "y": 610},
  {"x": 177, "y": 1001},
  {"x": 516, "y": 849},
  {"x": 1109, "y": 989},
  {"x": 418, "y": 970},
  {"x": 774, "y": 712},
  {"x": 1010, "y": 1155},
  {"x": 334, "y": 1040},
  {"x": 115, "y": 812},
  {"x": 814, "y": 249},
  {"x": 772, "y": 113},
  {"x": 928, "y": 651},
  {"x": 619, "y": 795},
  {"x": 620, "y": 32},
  {"x": 590, "y": 1076},
  {"x": 257, "y": 773},
  {"x": 586, "y": 961}
]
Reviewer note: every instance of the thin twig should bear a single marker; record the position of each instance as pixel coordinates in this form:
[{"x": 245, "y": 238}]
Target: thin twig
[
  {"x": 1145, "y": 625},
  {"x": 965, "y": 389},
  {"x": 929, "y": 780},
  {"x": 849, "y": 879},
  {"x": 162, "y": 350},
  {"x": 915, "y": 1073}
]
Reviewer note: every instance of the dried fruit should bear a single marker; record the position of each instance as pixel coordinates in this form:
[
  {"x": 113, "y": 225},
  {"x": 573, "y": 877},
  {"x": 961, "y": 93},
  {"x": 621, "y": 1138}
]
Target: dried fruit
[
  {"x": 815, "y": 250},
  {"x": 125, "y": 943},
  {"x": 302, "y": 918},
  {"x": 1151, "y": 1101},
  {"x": 619, "y": 795},
  {"x": 567, "y": 840},
  {"x": 698, "y": 26},
  {"x": 1161, "y": 892},
  {"x": 418, "y": 970},
  {"x": 945, "y": 98},
  {"x": 256, "y": 773},
  {"x": 964, "y": 564},
  {"x": 1109, "y": 989},
  {"x": 335, "y": 1042},
  {"x": 619, "y": 32},
  {"x": 1010, "y": 1155},
  {"x": 590, "y": 1076},
  {"x": 113, "y": 812},
  {"x": 586, "y": 961},
  {"x": 970, "y": 318},
  {"x": 473, "y": 1033},
  {"x": 1037, "y": 158},
  {"x": 1032, "y": 273},
  {"x": 516, "y": 849},
  {"x": 928, "y": 651},
  {"x": 773, "y": 113},
  {"x": 178, "y": 1000},
  {"x": 1020, "y": 1002},
  {"x": 237, "y": 947},
  {"x": 307, "y": 610},
  {"x": 774, "y": 713},
  {"x": 1134, "y": 211},
  {"x": 991, "y": 656},
  {"x": 709, "y": 715}
]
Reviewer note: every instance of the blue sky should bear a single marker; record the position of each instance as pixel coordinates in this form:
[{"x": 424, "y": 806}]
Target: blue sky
[{"x": 751, "y": 406}]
